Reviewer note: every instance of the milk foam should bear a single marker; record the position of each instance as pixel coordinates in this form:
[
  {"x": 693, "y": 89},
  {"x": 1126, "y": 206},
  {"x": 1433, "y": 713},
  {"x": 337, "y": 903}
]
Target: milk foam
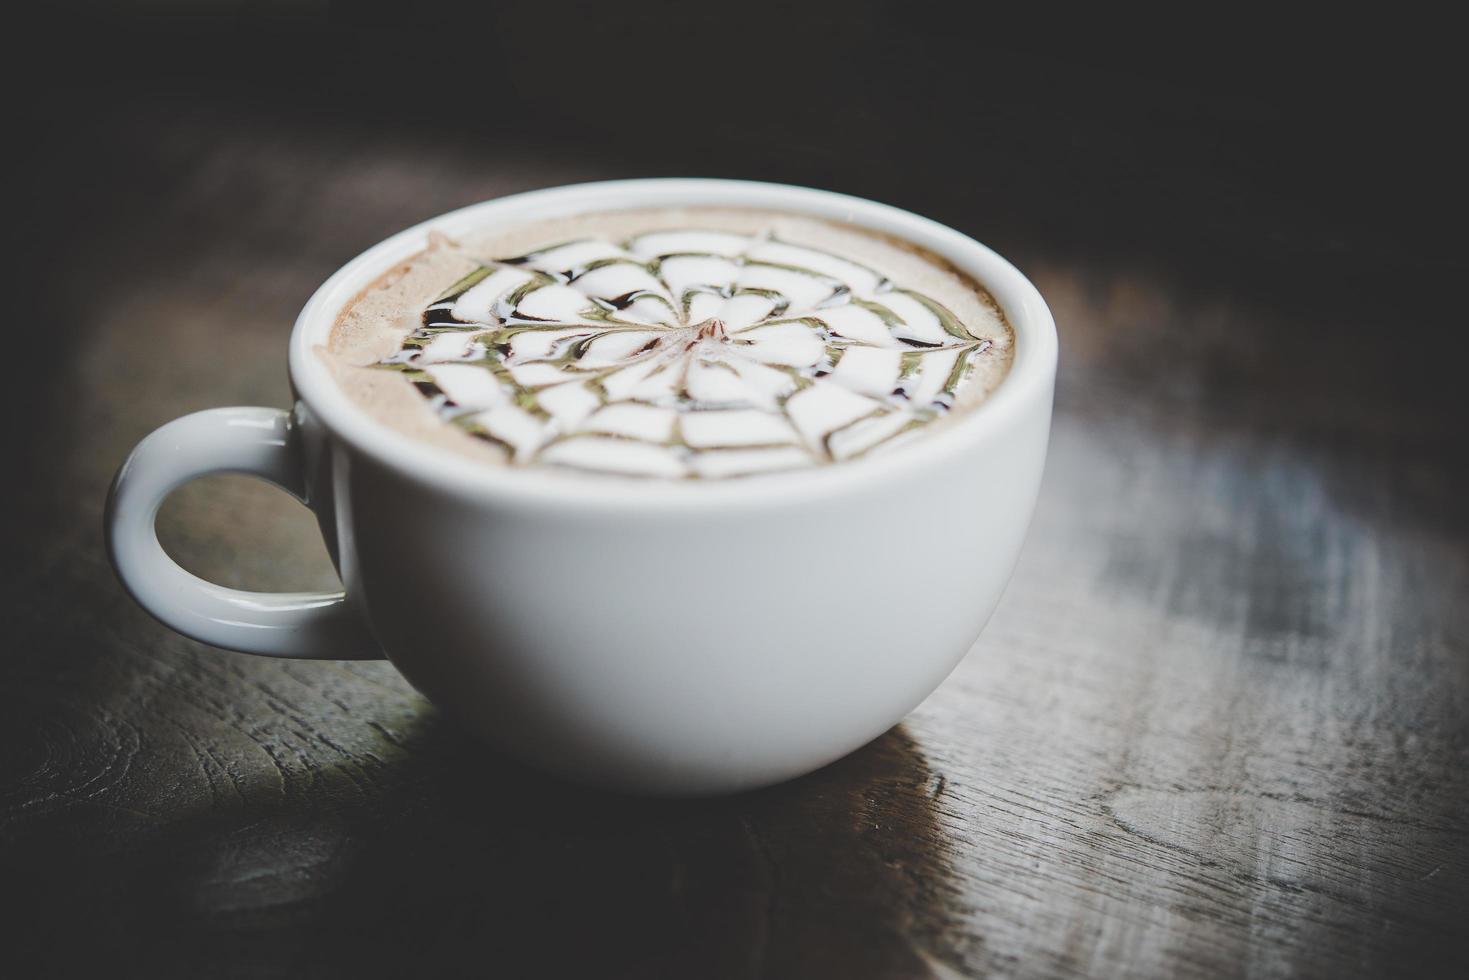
[{"x": 694, "y": 352}]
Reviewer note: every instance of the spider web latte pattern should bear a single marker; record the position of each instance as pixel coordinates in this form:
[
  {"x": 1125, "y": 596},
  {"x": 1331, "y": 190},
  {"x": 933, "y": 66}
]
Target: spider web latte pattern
[{"x": 686, "y": 353}]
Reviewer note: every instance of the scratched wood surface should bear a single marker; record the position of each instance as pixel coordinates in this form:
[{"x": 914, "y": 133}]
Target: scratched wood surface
[{"x": 1218, "y": 727}]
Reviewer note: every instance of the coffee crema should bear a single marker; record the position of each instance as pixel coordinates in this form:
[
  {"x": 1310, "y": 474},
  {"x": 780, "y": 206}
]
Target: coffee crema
[{"x": 675, "y": 343}]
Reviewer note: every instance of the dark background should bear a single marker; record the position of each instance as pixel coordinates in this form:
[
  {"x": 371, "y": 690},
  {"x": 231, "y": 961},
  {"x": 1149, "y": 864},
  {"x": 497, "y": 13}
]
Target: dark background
[
  {"x": 1218, "y": 725},
  {"x": 1324, "y": 141}
]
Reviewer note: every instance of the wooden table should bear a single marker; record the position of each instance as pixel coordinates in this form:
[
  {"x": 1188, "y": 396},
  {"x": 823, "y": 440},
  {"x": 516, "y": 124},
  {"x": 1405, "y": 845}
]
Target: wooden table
[{"x": 1217, "y": 726}]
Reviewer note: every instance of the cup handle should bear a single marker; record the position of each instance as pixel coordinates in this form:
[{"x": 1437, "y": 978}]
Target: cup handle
[{"x": 254, "y": 441}]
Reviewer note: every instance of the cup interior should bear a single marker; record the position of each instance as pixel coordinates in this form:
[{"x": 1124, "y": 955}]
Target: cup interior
[{"x": 1030, "y": 376}]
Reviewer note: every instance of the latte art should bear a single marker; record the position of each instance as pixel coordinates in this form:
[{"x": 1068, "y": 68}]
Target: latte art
[{"x": 689, "y": 353}]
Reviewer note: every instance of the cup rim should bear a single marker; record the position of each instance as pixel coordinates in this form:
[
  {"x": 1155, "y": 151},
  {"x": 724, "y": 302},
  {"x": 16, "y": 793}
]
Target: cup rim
[{"x": 1031, "y": 375}]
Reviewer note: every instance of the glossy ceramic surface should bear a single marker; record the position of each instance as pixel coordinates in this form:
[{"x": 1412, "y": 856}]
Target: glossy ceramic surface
[{"x": 654, "y": 636}]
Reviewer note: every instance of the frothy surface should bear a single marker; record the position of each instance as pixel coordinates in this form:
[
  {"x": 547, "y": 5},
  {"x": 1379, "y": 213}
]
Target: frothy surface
[{"x": 678, "y": 343}]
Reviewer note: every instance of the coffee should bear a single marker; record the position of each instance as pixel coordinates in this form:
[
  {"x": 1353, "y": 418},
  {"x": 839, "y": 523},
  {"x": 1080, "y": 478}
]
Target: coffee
[{"x": 678, "y": 343}]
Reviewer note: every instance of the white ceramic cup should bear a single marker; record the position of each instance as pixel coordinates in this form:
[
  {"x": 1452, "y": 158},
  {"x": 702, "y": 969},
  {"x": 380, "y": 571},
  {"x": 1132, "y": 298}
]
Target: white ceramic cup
[{"x": 652, "y": 636}]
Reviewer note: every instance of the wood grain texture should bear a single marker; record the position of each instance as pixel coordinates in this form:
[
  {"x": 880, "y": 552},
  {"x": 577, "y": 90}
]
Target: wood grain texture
[{"x": 1217, "y": 727}]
